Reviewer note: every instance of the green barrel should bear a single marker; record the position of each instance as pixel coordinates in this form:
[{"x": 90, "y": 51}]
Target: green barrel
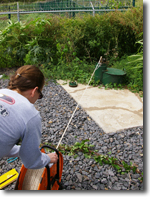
[
  {"x": 113, "y": 75},
  {"x": 99, "y": 73}
]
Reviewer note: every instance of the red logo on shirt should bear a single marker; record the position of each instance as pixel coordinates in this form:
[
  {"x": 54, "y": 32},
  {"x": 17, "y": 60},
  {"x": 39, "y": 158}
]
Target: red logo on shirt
[{"x": 7, "y": 99}]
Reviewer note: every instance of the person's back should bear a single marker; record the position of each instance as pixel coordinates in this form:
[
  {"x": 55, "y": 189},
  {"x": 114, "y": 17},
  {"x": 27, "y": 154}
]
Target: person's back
[
  {"x": 20, "y": 120},
  {"x": 16, "y": 112}
]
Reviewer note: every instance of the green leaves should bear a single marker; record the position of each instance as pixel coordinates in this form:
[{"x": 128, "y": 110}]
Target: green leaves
[
  {"x": 70, "y": 47},
  {"x": 83, "y": 146},
  {"x": 133, "y": 66}
]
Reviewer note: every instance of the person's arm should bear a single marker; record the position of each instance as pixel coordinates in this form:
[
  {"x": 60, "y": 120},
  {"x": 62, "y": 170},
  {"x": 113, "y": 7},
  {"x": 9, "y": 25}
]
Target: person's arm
[
  {"x": 30, "y": 153},
  {"x": 14, "y": 152}
]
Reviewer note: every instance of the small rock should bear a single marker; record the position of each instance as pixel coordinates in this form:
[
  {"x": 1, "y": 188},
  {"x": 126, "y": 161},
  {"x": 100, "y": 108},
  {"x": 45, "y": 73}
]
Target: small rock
[
  {"x": 95, "y": 187},
  {"x": 111, "y": 134},
  {"x": 104, "y": 148},
  {"x": 104, "y": 181},
  {"x": 111, "y": 173},
  {"x": 86, "y": 178},
  {"x": 102, "y": 186},
  {"x": 116, "y": 188},
  {"x": 79, "y": 176},
  {"x": 66, "y": 183},
  {"x": 97, "y": 175},
  {"x": 111, "y": 140},
  {"x": 68, "y": 177},
  {"x": 113, "y": 179}
]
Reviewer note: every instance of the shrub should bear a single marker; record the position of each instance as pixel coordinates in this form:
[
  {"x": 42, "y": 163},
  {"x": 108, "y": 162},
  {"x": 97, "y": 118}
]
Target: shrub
[
  {"x": 56, "y": 40},
  {"x": 41, "y": 48},
  {"x": 12, "y": 41},
  {"x": 112, "y": 34},
  {"x": 134, "y": 68}
]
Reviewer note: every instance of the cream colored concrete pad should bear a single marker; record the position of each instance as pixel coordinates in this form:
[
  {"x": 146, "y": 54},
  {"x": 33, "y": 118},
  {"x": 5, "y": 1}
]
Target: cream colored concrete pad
[{"x": 111, "y": 109}]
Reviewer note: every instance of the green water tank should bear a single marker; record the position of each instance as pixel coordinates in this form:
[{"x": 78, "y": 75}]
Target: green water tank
[
  {"x": 99, "y": 72},
  {"x": 113, "y": 75}
]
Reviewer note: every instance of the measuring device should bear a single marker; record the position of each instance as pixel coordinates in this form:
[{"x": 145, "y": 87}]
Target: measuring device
[{"x": 8, "y": 178}]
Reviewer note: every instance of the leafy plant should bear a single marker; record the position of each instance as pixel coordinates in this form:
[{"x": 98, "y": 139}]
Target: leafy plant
[
  {"x": 133, "y": 66},
  {"x": 137, "y": 59},
  {"x": 12, "y": 40},
  {"x": 88, "y": 150},
  {"x": 70, "y": 47}
]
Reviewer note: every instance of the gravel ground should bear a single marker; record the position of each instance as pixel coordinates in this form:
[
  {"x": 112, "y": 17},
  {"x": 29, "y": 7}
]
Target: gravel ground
[{"x": 81, "y": 173}]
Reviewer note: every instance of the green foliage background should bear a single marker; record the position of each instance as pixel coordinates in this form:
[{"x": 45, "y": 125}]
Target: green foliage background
[
  {"x": 71, "y": 47},
  {"x": 8, "y": 1}
]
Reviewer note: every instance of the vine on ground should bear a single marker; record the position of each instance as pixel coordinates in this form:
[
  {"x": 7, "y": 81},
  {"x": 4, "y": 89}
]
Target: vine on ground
[{"x": 87, "y": 149}]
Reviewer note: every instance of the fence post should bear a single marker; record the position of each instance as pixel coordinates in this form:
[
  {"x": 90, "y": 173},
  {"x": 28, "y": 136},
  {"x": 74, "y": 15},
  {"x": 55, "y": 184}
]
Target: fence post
[
  {"x": 9, "y": 15},
  {"x": 18, "y": 12},
  {"x": 133, "y": 3},
  {"x": 74, "y": 9},
  {"x": 93, "y": 9}
]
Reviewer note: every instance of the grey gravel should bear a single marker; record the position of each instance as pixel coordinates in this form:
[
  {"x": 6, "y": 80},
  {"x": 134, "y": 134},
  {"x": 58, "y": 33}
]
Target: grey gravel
[{"x": 81, "y": 173}]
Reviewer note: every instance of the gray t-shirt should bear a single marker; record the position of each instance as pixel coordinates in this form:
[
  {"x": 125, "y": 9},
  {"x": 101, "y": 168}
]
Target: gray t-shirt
[{"x": 20, "y": 120}]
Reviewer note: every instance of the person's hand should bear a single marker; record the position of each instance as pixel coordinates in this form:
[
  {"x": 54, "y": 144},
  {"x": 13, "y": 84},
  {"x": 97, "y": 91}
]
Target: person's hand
[{"x": 53, "y": 157}]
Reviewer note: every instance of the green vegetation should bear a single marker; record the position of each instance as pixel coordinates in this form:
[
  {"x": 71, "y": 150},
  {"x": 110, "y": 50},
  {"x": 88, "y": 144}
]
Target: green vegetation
[
  {"x": 12, "y": 1},
  {"x": 133, "y": 65},
  {"x": 89, "y": 152},
  {"x": 67, "y": 48}
]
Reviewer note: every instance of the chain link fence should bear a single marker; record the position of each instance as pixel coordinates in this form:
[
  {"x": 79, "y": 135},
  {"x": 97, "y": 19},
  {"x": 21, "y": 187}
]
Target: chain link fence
[{"x": 65, "y": 6}]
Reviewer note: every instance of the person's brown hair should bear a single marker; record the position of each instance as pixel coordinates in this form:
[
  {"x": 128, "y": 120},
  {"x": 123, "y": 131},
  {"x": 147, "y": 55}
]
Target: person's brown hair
[{"x": 27, "y": 77}]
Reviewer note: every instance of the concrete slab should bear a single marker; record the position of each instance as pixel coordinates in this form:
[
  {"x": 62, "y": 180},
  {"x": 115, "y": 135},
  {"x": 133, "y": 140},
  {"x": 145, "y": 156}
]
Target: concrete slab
[{"x": 111, "y": 109}]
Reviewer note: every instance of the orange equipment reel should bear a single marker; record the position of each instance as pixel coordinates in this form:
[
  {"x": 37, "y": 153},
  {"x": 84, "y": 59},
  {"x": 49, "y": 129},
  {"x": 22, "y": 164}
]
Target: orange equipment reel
[{"x": 47, "y": 178}]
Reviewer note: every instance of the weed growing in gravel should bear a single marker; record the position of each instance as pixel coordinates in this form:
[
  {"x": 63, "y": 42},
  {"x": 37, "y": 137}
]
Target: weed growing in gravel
[{"x": 83, "y": 146}]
